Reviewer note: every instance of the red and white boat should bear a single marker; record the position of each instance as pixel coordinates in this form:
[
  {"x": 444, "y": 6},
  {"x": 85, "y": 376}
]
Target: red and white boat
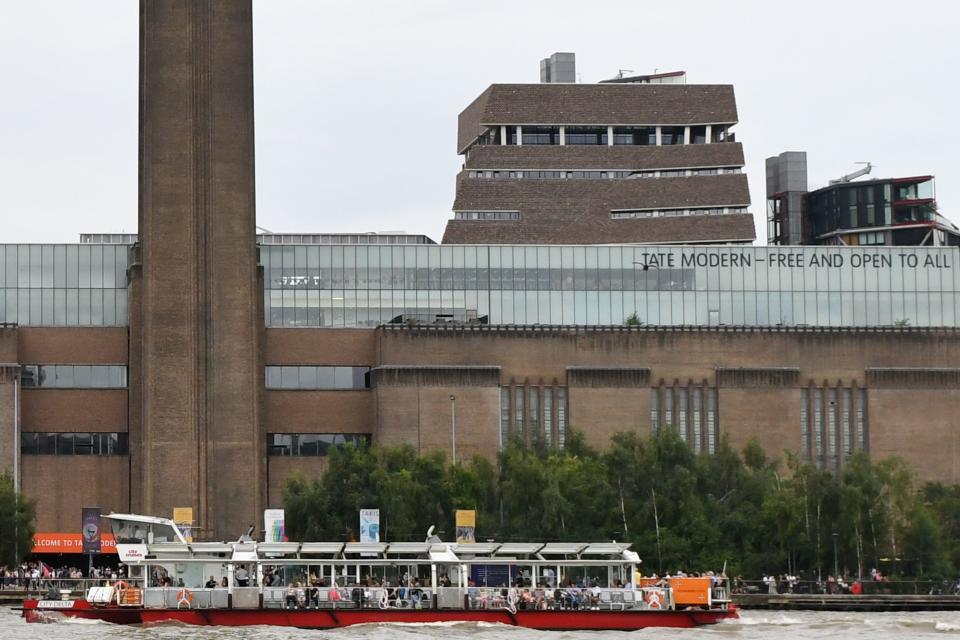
[{"x": 323, "y": 585}]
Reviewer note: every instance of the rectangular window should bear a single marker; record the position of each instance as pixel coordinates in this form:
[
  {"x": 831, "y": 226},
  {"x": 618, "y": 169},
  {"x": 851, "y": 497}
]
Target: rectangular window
[
  {"x": 832, "y": 427},
  {"x": 81, "y": 443},
  {"x": 541, "y": 135},
  {"x": 533, "y": 413},
  {"x": 845, "y": 425},
  {"x": 311, "y": 445},
  {"x": 655, "y": 410},
  {"x": 697, "y": 419},
  {"x": 561, "y": 417},
  {"x": 317, "y": 378},
  {"x": 668, "y": 408},
  {"x": 74, "y": 376},
  {"x": 862, "y": 439},
  {"x": 804, "y": 424},
  {"x": 586, "y": 135},
  {"x": 671, "y": 135},
  {"x": 712, "y": 421},
  {"x": 548, "y": 416},
  {"x": 635, "y": 135},
  {"x": 682, "y": 396},
  {"x": 818, "y": 426},
  {"x": 518, "y": 411},
  {"x": 504, "y": 415}
]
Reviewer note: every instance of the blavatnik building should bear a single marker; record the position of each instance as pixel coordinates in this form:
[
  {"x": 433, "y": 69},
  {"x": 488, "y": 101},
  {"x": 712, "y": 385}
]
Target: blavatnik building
[{"x": 199, "y": 365}]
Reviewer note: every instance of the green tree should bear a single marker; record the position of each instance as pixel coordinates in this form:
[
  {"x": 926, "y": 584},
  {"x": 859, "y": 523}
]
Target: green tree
[{"x": 16, "y": 522}]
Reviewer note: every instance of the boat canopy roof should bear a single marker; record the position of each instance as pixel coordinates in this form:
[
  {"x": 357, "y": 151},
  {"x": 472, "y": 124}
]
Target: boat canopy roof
[{"x": 363, "y": 552}]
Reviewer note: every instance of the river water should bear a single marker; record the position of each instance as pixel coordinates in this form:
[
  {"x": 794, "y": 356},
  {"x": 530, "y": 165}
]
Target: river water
[{"x": 767, "y": 625}]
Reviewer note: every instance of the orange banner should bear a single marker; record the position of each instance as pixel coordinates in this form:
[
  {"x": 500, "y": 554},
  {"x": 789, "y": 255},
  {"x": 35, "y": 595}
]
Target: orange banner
[{"x": 68, "y": 543}]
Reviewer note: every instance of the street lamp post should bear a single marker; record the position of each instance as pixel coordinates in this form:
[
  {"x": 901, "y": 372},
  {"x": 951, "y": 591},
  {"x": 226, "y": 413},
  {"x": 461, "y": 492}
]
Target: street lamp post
[
  {"x": 453, "y": 428},
  {"x": 836, "y": 564}
]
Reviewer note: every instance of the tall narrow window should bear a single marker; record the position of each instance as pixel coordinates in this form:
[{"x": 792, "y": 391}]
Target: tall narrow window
[
  {"x": 862, "y": 419},
  {"x": 561, "y": 417},
  {"x": 818, "y": 426},
  {"x": 832, "y": 427},
  {"x": 697, "y": 419},
  {"x": 711, "y": 421},
  {"x": 682, "y": 395},
  {"x": 668, "y": 407},
  {"x": 804, "y": 424},
  {"x": 533, "y": 412},
  {"x": 845, "y": 425},
  {"x": 504, "y": 415},
  {"x": 548, "y": 416},
  {"x": 518, "y": 411},
  {"x": 654, "y": 410}
]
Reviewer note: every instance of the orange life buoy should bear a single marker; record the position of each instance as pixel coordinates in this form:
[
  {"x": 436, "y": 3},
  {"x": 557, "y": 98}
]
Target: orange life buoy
[
  {"x": 184, "y": 597},
  {"x": 120, "y": 585},
  {"x": 652, "y": 599}
]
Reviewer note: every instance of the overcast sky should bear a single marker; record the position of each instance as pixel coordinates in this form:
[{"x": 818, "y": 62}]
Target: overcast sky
[{"x": 357, "y": 102}]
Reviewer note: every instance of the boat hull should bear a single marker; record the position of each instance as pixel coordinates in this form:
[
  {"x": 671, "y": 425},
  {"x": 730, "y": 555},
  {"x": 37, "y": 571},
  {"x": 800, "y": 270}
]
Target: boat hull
[{"x": 42, "y": 611}]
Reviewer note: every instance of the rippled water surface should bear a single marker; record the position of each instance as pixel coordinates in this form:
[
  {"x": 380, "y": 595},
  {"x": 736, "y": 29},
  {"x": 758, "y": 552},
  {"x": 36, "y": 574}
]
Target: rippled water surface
[{"x": 752, "y": 624}]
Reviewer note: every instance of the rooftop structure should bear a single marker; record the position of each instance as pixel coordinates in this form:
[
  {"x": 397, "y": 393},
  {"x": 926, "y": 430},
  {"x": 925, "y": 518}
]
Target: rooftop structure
[{"x": 628, "y": 161}]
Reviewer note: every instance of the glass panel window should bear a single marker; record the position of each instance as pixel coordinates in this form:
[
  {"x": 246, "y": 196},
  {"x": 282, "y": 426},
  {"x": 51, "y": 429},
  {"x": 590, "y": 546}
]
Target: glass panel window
[
  {"x": 586, "y": 135},
  {"x": 672, "y": 135},
  {"x": 311, "y": 445},
  {"x": 310, "y": 377}
]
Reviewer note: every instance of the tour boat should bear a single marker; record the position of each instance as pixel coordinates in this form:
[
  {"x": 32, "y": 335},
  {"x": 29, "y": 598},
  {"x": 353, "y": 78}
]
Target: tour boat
[{"x": 324, "y": 585}]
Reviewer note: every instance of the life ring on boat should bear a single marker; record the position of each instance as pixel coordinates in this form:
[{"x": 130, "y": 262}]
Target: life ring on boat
[
  {"x": 184, "y": 597},
  {"x": 652, "y": 598},
  {"x": 384, "y": 599},
  {"x": 513, "y": 597},
  {"x": 119, "y": 587}
]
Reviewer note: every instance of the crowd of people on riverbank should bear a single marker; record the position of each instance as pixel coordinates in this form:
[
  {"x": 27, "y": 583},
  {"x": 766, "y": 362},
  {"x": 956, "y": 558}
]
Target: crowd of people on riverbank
[{"x": 37, "y": 575}]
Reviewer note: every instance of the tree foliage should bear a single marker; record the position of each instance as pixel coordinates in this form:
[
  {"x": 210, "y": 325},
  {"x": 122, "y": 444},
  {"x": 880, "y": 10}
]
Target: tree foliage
[
  {"x": 681, "y": 510},
  {"x": 16, "y": 523}
]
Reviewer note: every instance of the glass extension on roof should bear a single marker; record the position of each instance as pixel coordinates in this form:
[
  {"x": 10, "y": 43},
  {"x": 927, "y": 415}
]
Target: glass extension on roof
[
  {"x": 63, "y": 284},
  {"x": 344, "y": 286}
]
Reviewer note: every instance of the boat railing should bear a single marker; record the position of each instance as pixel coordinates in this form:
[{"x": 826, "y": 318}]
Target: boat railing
[
  {"x": 183, "y": 598},
  {"x": 567, "y": 598},
  {"x": 348, "y": 597}
]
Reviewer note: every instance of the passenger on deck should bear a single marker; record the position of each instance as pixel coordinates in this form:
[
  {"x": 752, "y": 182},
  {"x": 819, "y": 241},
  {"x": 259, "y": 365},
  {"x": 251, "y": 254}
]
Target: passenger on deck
[
  {"x": 242, "y": 576},
  {"x": 291, "y": 600},
  {"x": 211, "y": 583}
]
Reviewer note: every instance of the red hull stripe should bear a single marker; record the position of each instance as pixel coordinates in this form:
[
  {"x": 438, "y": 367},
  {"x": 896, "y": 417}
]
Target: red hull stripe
[{"x": 332, "y": 618}]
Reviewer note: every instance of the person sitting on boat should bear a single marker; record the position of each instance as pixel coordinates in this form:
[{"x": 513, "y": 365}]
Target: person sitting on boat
[
  {"x": 211, "y": 583},
  {"x": 291, "y": 600},
  {"x": 223, "y": 582},
  {"x": 473, "y": 594}
]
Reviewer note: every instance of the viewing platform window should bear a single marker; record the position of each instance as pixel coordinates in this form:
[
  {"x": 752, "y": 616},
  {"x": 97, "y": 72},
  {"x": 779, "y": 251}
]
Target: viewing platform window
[
  {"x": 540, "y": 135},
  {"x": 635, "y": 135},
  {"x": 672, "y": 135},
  {"x": 486, "y": 215},
  {"x": 586, "y": 135}
]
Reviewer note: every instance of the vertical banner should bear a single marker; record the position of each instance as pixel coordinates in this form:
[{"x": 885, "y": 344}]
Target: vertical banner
[
  {"x": 183, "y": 518},
  {"x": 91, "y": 529},
  {"x": 466, "y": 526},
  {"x": 369, "y": 525},
  {"x": 274, "y": 525}
]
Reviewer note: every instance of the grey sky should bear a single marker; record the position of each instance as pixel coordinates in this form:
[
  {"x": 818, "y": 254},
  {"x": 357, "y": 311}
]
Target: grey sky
[{"x": 356, "y": 102}]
